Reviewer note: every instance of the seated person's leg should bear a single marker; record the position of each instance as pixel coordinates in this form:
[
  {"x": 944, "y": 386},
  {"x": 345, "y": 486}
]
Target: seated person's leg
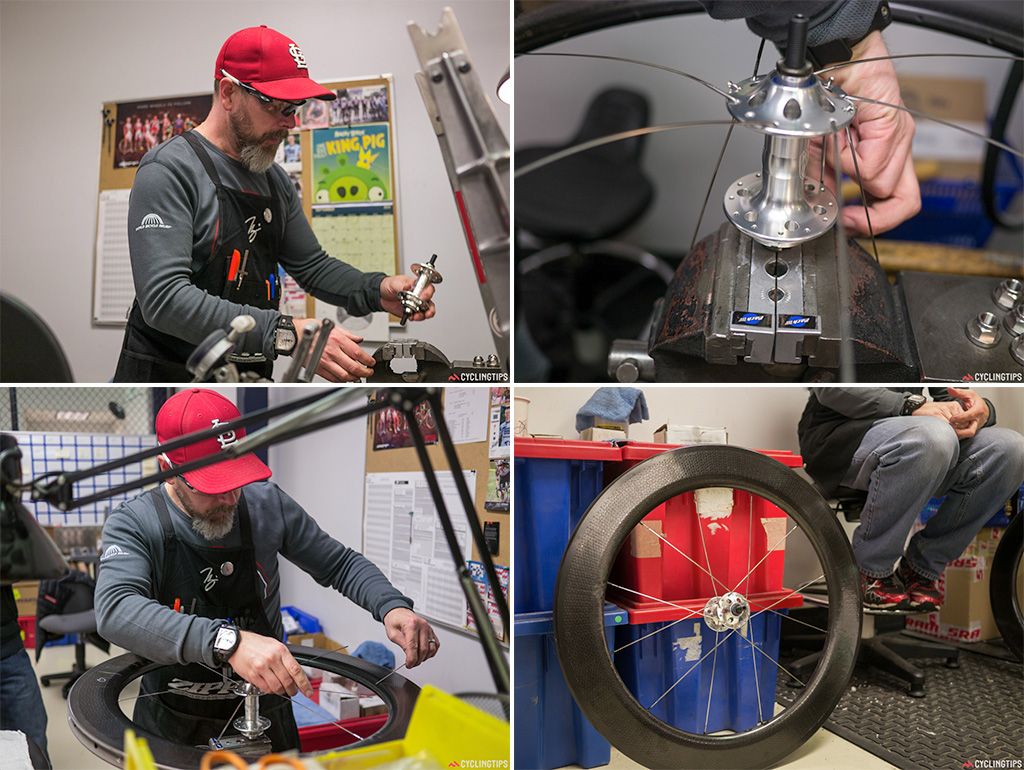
[{"x": 901, "y": 462}]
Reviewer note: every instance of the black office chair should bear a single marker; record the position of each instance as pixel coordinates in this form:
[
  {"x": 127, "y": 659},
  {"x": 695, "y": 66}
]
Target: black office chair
[
  {"x": 64, "y": 607},
  {"x": 29, "y": 350},
  {"x": 579, "y": 284},
  {"x": 888, "y": 650}
]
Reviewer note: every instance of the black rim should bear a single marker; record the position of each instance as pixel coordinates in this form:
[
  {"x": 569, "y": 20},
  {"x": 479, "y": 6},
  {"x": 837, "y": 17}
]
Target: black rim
[
  {"x": 96, "y": 718},
  {"x": 1006, "y": 565},
  {"x": 580, "y": 593}
]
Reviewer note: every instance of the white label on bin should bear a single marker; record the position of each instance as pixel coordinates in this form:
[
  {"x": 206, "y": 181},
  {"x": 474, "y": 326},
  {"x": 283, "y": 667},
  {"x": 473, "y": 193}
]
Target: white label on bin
[
  {"x": 713, "y": 502},
  {"x": 689, "y": 645},
  {"x": 775, "y": 531}
]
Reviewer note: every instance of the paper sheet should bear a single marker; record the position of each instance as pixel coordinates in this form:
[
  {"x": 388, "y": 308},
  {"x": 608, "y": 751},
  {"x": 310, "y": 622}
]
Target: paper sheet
[{"x": 113, "y": 289}]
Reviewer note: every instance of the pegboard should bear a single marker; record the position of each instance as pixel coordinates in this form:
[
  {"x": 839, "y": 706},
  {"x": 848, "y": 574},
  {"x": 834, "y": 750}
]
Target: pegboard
[{"x": 49, "y": 452}]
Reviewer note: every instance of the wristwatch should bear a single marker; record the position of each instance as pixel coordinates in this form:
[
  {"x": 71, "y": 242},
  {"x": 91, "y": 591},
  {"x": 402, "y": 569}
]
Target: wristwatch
[
  {"x": 225, "y": 643},
  {"x": 284, "y": 336},
  {"x": 838, "y": 51},
  {"x": 911, "y": 404}
]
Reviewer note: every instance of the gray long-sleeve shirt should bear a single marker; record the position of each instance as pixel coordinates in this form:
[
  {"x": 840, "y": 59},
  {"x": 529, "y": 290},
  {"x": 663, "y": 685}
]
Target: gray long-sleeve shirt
[
  {"x": 128, "y": 615},
  {"x": 172, "y": 185}
]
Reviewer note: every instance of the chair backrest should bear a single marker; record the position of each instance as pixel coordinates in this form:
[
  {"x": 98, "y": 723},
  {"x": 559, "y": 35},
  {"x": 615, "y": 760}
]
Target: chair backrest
[
  {"x": 613, "y": 111},
  {"x": 29, "y": 350}
]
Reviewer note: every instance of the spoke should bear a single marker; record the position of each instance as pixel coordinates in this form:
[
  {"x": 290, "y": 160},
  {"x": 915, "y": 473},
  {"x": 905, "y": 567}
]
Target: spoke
[
  {"x": 846, "y": 371},
  {"x": 691, "y": 668},
  {"x": 795, "y": 620},
  {"x": 700, "y": 529},
  {"x": 685, "y": 556},
  {"x": 697, "y": 613},
  {"x": 916, "y": 56},
  {"x": 314, "y": 711},
  {"x": 648, "y": 636},
  {"x": 863, "y": 195},
  {"x": 229, "y": 719},
  {"x": 757, "y": 686},
  {"x": 794, "y": 592},
  {"x": 750, "y": 537},
  {"x": 751, "y": 643},
  {"x": 919, "y": 114},
  {"x": 711, "y": 686},
  {"x": 768, "y": 553},
  {"x": 757, "y": 61},
  {"x": 137, "y": 696},
  {"x": 603, "y": 140},
  {"x": 717, "y": 90},
  {"x": 711, "y": 185}
]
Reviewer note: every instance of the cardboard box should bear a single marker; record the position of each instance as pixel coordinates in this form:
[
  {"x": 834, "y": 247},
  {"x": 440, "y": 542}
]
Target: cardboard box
[
  {"x": 319, "y": 640},
  {"x": 371, "y": 705},
  {"x": 336, "y": 699},
  {"x": 958, "y": 100},
  {"x": 966, "y": 612},
  {"x": 602, "y": 434},
  {"x": 690, "y": 434},
  {"x": 25, "y": 594}
]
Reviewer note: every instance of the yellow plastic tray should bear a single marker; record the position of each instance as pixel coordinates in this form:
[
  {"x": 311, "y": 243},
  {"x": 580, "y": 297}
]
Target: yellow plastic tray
[{"x": 452, "y": 731}]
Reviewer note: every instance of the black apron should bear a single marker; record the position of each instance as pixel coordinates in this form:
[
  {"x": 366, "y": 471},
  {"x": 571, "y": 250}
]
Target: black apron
[
  {"x": 242, "y": 268},
  {"x": 194, "y": 702}
]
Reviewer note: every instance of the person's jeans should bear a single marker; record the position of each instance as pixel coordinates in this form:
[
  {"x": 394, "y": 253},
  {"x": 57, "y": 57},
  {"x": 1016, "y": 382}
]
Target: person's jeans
[
  {"x": 21, "y": 704},
  {"x": 904, "y": 461}
]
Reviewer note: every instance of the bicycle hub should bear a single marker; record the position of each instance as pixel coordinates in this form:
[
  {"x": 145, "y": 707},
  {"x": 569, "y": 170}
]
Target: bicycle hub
[
  {"x": 780, "y": 206},
  {"x": 252, "y": 725},
  {"x": 412, "y": 301},
  {"x": 728, "y": 612}
]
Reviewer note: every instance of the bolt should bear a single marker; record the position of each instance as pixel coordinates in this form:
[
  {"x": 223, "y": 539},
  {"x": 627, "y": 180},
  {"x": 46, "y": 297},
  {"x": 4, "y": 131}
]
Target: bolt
[
  {"x": 984, "y": 330},
  {"x": 437, "y": 77}
]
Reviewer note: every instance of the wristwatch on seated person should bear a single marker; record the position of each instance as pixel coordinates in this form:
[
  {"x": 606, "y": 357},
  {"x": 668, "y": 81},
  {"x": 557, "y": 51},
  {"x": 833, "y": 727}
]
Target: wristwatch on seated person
[
  {"x": 284, "y": 336},
  {"x": 225, "y": 643},
  {"x": 911, "y": 404}
]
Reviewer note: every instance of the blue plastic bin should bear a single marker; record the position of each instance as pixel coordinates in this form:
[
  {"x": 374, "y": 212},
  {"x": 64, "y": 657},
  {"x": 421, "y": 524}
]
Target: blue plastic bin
[
  {"x": 1000, "y": 518},
  {"x": 555, "y": 483},
  {"x": 679, "y": 661},
  {"x": 551, "y": 731},
  {"x": 310, "y": 624}
]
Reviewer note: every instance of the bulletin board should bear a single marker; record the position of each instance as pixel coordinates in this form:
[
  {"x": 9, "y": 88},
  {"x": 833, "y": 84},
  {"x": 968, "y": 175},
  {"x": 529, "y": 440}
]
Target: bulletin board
[
  {"x": 475, "y": 456},
  {"x": 341, "y": 159}
]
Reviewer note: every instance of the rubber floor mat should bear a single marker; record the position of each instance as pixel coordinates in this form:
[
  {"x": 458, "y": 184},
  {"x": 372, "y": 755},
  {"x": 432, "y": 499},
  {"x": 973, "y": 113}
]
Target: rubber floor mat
[{"x": 972, "y": 713}]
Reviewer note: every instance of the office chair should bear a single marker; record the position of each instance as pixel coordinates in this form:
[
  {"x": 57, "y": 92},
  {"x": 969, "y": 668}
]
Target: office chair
[
  {"x": 888, "y": 651},
  {"x": 581, "y": 286},
  {"x": 64, "y": 607},
  {"x": 29, "y": 350}
]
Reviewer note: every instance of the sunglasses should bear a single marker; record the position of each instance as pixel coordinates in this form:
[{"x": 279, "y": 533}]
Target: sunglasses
[{"x": 273, "y": 106}]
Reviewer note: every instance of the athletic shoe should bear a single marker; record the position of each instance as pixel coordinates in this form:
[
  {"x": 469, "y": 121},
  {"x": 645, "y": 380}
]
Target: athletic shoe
[
  {"x": 884, "y": 594},
  {"x": 924, "y": 593}
]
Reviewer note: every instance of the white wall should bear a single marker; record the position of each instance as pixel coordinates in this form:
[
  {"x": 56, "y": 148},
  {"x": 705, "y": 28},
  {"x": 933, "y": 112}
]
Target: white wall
[
  {"x": 324, "y": 472},
  {"x": 756, "y": 417},
  {"x": 552, "y": 95},
  {"x": 60, "y": 60}
]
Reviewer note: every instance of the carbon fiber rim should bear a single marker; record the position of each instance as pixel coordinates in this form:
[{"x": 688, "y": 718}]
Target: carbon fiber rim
[
  {"x": 580, "y": 592},
  {"x": 1006, "y": 565},
  {"x": 97, "y": 720}
]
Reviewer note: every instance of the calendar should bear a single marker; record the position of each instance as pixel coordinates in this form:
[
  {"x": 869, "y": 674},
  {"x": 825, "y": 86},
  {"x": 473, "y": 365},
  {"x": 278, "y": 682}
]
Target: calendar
[{"x": 363, "y": 235}]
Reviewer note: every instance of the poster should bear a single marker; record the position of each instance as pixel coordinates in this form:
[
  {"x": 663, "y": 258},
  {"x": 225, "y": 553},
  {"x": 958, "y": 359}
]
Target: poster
[
  {"x": 500, "y": 432},
  {"x": 498, "y": 486},
  {"x": 361, "y": 104},
  {"x": 141, "y": 126},
  {"x": 391, "y": 431}
]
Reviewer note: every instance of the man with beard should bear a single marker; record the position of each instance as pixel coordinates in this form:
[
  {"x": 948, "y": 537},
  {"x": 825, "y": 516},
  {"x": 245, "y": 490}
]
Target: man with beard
[
  {"x": 211, "y": 218},
  {"x": 189, "y": 578}
]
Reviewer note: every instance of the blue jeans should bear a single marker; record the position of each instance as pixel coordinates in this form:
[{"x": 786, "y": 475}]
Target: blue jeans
[
  {"x": 21, "y": 704},
  {"x": 904, "y": 461}
]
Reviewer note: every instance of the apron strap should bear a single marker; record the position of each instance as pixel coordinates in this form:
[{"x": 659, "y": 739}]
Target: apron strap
[
  {"x": 203, "y": 155},
  {"x": 162, "y": 513}
]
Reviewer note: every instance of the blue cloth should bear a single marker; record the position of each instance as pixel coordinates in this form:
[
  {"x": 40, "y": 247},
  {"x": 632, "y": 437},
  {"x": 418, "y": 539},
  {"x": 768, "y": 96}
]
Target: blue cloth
[
  {"x": 308, "y": 713},
  {"x": 375, "y": 652},
  {"x": 618, "y": 404},
  {"x": 21, "y": 704}
]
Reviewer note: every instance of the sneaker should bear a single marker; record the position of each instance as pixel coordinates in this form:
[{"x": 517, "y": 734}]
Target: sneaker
[
  {"x": 886, "y": 594},
  {"x": 924, "y": 593}
]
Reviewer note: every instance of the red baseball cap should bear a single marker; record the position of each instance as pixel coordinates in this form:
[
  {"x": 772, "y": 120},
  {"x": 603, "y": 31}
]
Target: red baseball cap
[
  {"x": 193, "y": 410},
  {"x": 270, "y": 63}
]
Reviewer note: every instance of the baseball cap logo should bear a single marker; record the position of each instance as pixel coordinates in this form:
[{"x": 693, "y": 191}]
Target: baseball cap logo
[
  {"x": 224, "y": 439},
  {"x": 296, "y": 53}
]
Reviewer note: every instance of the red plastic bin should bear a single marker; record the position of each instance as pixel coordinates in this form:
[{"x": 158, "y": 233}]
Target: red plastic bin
[
  {"x": 749, "y": 538},
  {"x": 330, "y": 735},
  {"x": 27, "y": 624}
]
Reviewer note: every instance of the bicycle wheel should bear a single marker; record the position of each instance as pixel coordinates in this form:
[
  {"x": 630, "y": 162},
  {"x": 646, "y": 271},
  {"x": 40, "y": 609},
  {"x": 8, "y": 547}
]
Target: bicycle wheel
[
  {"x": 97, "y": 720},
  {"x": 629, "y": 719},
  {"x": 1003, "y": 588}
]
